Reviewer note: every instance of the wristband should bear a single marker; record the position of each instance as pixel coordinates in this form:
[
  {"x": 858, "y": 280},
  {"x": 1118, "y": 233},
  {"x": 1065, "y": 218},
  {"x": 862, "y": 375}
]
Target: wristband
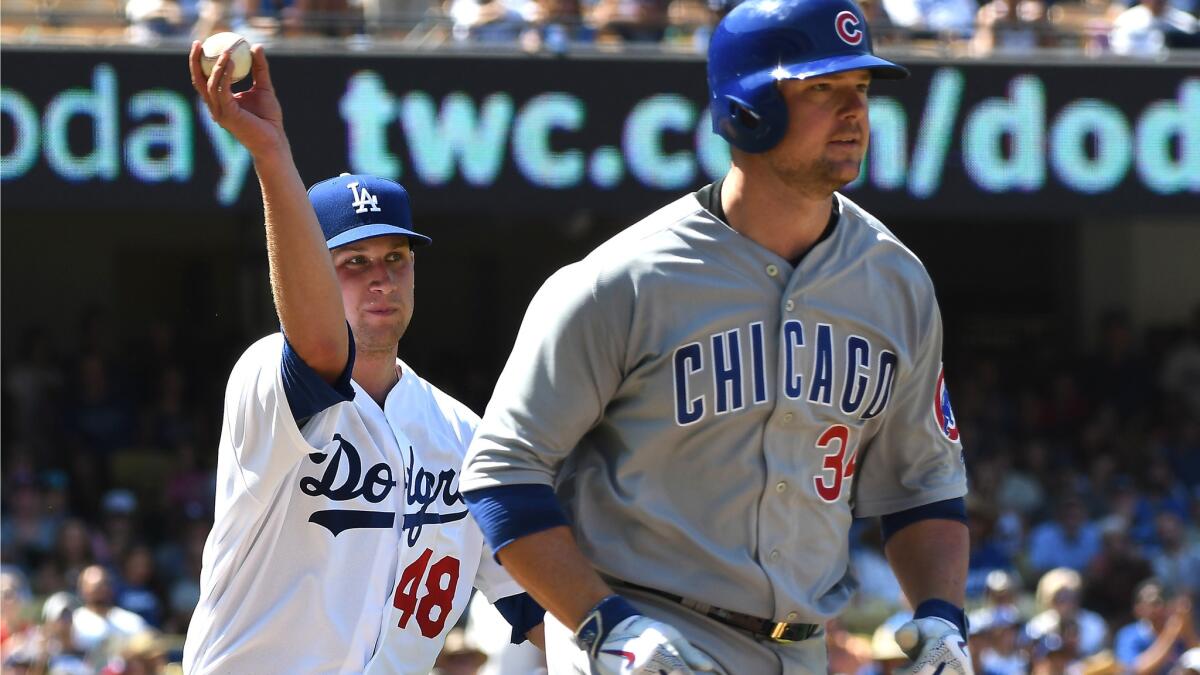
[
  {"x": 943, "y": 610},
  {"x": 601, "y": 619}
]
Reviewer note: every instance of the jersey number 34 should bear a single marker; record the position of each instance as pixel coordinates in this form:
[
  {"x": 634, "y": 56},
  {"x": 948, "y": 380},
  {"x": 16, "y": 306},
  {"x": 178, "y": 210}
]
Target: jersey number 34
[
  {"x": 440, "y": 586},
  {"x": 836, "y": 467}
]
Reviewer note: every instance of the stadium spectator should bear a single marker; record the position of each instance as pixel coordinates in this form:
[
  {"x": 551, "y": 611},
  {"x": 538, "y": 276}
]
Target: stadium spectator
[
  {"x": 1176, "y": 561},
  {"x": 99, "y": 628},
  {"x": 553, "y": 24},
  {"x": 1003, "y": 592},
  {"x": 629, "y": 21},
  {"x": 1165, "y": 628},
  {"x": 1058, "y": 594},
  {"x": 1146, "y": 28},
  {"x": 1017, "y": 490},
  {"x": 100, "y": 417},
  {"x": 986, "y": 555},
  {"x": 152, "y": 21},
  {"x": 62, "y": 654},
  {"x": 883, "y": 31},
  {"x": 1115, "y": 573},
  {"x": 995, "y": 646},
  {"x": 26, "y": 529},
  {"x": 144, "y": 654},
  {"x": 137, "y": 590},
  {"x": 1056, "y": 652},
  {"x": 75, "y": 550},
  {"x": 15, "y": 600},
  {"x": 950, "y": 18},
  {"x": 1069, "y": 541},
  {"x": 34, "y": 381},
  {"x": 485, "y": 21},
  {"x": 1179, "y": 376},
  {"x": 1012, "y": 27}
]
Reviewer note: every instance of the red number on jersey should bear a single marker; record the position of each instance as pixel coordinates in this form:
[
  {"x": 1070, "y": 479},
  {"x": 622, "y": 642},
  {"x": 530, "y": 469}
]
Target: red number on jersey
[
  {"x": 406, "y": 589},
  {"x": 835, "y": 467},
  {"x": 440, "y": 587}
]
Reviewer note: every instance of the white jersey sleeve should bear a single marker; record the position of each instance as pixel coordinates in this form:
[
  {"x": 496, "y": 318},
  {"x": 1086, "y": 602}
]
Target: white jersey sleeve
[
  {"x": 916, "y": 457},
  {"x": 493, "y": 580},
  {"x": 265, "y": 441}
]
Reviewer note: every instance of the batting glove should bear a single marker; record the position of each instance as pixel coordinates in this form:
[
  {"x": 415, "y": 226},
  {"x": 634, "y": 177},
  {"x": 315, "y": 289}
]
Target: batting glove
[
  {"x": 935, "y": 643},
  {"x": 619, "y": 641}
]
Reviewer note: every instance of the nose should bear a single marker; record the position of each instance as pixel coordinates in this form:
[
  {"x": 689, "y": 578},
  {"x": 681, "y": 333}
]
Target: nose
[
  {"x": 383, "y": 277},
  {"x": 854, "y": 103}
]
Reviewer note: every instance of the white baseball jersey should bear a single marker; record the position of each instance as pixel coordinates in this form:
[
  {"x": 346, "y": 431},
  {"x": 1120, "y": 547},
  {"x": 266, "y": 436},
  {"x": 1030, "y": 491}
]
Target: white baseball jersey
[
  {"x": 298, "y": 568},
  {"x": 713, "y": 417},
  {"x": 442, "y": 549}
]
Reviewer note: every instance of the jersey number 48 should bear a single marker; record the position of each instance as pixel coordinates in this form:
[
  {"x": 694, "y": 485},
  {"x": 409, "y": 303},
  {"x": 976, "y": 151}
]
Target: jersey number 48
[{"x": 440, "y": 586}]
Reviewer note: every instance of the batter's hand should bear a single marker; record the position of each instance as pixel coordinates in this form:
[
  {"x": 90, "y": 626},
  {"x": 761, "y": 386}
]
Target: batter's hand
[
  {"x": 621, "y": 642},
  {"x": 254, "y": 116},
  {"x": 640, "y": 645},
  {"x": 935, "y": 645}
]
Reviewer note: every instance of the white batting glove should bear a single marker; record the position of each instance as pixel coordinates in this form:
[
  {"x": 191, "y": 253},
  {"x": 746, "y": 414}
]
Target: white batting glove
[
  {"x": 636, "y": 644},
  {"x": 935, "y": 646}
]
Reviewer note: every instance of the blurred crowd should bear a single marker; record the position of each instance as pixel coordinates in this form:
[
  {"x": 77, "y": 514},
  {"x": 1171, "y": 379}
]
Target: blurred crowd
[
  {"x": 1144, "y": 28},
  {"x": 1084, "y": 510}
]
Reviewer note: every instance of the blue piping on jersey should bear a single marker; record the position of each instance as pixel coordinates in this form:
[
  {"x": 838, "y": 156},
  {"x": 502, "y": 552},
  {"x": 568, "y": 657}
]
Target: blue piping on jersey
[
  {"x": 307, "y": 392},
  {"x": 506, "y": 513},
  {"x": 522, "y": 612},
  {"x": 949, "y": 509}
]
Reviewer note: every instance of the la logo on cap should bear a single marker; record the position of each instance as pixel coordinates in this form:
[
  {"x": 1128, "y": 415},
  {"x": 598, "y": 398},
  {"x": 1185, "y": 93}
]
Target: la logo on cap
[{"x": 363, "y": 201}]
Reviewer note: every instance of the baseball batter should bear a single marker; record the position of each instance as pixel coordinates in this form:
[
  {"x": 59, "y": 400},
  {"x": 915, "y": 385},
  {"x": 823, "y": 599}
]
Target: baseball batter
[
  {"x": 713, "y": 395},
  {"x": 341, "y": 542}
]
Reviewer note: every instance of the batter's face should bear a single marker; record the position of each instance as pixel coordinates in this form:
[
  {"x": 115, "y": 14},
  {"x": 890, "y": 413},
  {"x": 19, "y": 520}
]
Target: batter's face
[
  {"x": 827, "y": 132},
  {"x": 377, "y": 278}
]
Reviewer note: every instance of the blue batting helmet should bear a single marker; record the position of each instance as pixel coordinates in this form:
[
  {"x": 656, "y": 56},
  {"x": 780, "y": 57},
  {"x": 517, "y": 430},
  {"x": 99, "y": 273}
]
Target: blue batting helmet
[{"x": 762, "y": 42}]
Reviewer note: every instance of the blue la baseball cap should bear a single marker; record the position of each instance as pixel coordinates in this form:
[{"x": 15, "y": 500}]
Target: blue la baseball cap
[{"x": 353, "y": 207}]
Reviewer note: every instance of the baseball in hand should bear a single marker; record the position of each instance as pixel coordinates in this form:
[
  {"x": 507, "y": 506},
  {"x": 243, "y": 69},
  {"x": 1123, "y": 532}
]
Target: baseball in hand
[{"x": 218, "y": 44}]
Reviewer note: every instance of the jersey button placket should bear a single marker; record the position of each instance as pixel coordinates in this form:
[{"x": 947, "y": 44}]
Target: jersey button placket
[
  {"x": 789, "y": 306},
  {"x": 772, "y": 270},
  {"x": 781, "y": 486}
]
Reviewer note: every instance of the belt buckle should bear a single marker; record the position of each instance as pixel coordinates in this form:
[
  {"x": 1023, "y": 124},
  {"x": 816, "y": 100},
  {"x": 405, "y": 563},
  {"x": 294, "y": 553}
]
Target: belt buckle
[{"x": 778, "y": 631}]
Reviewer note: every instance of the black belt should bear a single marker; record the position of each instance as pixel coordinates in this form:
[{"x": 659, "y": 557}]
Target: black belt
[{"x": 760, "y": 628}]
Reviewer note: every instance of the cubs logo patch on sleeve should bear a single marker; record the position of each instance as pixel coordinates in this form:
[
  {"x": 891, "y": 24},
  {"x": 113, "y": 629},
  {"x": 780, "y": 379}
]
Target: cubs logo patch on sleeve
[{"x": 942, "y": 412}]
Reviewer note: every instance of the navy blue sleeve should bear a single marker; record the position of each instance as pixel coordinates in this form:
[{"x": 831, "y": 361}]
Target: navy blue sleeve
[
  {"x": 950, "y": 509},
  {"x": 522, "y": 612},
  {"x": 307, "y": 392},
  {"x": 506, "y": 513}
]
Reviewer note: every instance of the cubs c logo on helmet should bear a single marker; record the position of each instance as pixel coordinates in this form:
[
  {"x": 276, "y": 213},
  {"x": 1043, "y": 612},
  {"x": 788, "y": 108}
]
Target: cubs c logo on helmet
[
  {"x": 942, "y": 412},
  {"x": 846, "y": 24}
]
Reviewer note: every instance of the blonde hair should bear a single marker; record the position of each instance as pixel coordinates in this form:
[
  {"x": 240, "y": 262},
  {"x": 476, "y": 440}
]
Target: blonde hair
[{"x": 1057, "y": 579}]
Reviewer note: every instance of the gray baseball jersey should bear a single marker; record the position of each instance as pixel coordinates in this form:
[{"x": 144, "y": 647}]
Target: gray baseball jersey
[{"x": 713, "y": 418}]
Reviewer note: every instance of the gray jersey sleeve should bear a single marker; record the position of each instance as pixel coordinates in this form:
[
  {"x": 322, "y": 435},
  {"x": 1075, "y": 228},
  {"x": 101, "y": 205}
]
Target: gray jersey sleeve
[
  {"x": 916, "y": 456},
  {"x": 564, "y": 368}
]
